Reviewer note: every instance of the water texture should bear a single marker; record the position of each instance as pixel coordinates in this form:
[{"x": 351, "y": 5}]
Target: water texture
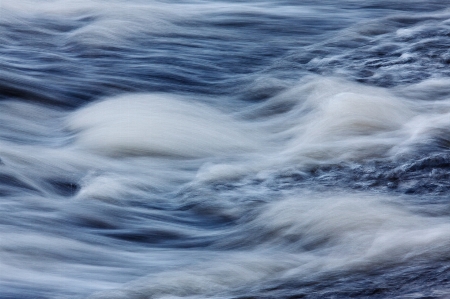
[{"x": 224, "y": 149}]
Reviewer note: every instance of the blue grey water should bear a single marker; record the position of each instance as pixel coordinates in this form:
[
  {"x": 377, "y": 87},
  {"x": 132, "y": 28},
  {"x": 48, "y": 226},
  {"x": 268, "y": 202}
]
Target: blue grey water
[{"x": 224, "y": 149}]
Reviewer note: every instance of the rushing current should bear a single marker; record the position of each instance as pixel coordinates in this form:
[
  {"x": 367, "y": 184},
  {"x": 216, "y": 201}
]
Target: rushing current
[{"x": 224, "y": 149}]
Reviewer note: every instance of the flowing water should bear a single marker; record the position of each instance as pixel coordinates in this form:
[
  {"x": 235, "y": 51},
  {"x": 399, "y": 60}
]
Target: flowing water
[{"x": 224, "y": 149}]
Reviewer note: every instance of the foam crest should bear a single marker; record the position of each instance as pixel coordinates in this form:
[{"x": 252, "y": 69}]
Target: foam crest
[
  {"x": 327, "y": 120},
  {"x": 351, "y": 230},
  {"x": 157, "y": 124},
  {"x": 345, "y": 121}
]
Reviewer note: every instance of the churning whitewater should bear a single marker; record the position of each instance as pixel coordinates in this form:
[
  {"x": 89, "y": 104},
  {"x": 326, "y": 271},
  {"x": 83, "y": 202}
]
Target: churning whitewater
[{"x": 224, "y": 149}]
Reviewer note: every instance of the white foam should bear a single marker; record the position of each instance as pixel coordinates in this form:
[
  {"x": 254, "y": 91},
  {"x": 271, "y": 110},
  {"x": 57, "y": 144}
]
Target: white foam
[
  {"x": 327, "y": 120},
  {"x": 357, "y": 228},
  {"x": 340, "y": 120},
  {"x": 157, "y": 124}
]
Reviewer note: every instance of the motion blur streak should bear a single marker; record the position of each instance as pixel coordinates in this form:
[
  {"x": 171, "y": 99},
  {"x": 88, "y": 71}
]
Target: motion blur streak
[{"x": 224, "y": 149}]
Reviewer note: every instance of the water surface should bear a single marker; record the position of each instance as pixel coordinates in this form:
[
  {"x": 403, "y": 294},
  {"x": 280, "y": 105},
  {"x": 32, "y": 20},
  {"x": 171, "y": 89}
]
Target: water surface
[{"x": 224, "y": 149}]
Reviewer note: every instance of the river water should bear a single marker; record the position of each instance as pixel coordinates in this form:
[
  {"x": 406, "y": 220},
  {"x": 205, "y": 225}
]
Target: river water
[{"x": 224, "y": 149}]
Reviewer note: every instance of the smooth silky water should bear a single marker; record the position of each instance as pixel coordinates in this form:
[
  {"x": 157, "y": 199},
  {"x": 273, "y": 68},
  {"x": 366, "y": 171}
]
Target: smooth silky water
[{"x": 224, "y": 149}]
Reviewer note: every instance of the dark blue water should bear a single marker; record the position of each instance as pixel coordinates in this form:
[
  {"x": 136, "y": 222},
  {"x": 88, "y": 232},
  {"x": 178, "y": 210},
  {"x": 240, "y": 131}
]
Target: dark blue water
[{"x": 224, "y": 149}]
